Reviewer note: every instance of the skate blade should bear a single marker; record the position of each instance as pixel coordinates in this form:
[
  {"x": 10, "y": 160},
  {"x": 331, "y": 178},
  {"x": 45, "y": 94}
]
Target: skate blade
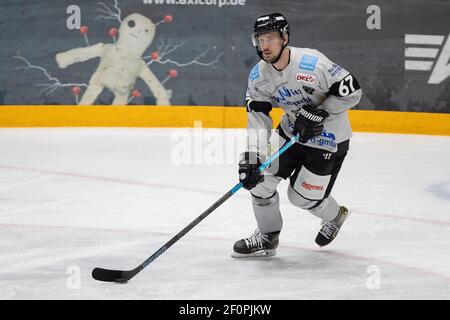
[{"x": 256, "y": 254}]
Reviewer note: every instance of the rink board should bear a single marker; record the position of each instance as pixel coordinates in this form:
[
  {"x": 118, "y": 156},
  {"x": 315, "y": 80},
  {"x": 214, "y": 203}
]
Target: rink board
[{"x": 210, "y": 117}]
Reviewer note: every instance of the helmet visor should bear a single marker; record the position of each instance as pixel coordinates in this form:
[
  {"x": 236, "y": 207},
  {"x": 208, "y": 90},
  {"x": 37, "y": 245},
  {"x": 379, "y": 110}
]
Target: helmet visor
[{"x": 257, "y": 42}]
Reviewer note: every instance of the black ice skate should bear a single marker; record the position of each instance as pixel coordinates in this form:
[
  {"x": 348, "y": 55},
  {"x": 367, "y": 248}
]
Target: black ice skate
[
  {"x": 257, "y": 245},
  {"x": 330, "y": 229}
]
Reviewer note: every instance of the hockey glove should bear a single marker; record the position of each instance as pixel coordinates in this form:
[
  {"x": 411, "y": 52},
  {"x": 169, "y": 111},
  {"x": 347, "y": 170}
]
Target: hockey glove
[
  {"x": 249, "y": 173},
  {"x": 309, "y": 123}
]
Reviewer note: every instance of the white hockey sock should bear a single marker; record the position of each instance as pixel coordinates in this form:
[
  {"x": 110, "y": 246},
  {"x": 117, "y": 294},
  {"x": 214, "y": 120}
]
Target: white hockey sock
[
  {"x": 267, "y": 214},
  {"x": 327, "y": 210}
]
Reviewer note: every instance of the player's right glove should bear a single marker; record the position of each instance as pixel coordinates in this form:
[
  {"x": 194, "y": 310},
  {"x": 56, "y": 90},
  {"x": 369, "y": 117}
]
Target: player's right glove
[
  {"x": 309, "y": 123},
  {"x": 249, "y": 173}
]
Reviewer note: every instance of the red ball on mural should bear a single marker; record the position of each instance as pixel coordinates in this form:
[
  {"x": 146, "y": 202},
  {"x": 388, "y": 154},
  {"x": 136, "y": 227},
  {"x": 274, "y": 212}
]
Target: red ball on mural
[
  {"x": 172, "y": 73},
  {"x": 113, "y": 32},
  {"x": 84, "y": 30},
  {"x": 154, "y": 55},
  {"x": 76, "y": 90},
  {"x": 136, "y": 93},
  {"x": 168, "y": 18}
]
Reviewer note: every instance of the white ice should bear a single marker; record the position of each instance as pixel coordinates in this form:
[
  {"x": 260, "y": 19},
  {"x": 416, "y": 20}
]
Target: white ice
[{"x": 72, "y": 199}]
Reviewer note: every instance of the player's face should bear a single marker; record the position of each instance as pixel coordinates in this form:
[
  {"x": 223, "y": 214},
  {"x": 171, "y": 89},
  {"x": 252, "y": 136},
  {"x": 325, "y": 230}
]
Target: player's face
[{"x": 270, "y": 44}]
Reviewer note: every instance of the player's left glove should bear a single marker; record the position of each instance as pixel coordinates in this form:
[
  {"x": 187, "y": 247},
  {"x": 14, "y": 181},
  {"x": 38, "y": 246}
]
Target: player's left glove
[{"x": 309, "y": 123}]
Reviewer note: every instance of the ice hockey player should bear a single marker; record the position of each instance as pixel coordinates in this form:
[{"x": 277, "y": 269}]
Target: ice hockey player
[{"x": 315, "y": 94}]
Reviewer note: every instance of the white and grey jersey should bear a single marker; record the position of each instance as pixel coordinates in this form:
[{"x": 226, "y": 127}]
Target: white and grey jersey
[{"x": 309, "y": 79}]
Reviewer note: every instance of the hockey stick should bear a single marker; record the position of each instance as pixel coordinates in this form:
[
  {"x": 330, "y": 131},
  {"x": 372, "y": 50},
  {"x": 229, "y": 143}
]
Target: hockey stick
[{"x": 120, "y": 276}]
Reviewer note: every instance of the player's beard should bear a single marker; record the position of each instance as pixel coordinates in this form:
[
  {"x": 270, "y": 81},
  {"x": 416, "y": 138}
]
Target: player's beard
[{"x": 271, "y": 57}]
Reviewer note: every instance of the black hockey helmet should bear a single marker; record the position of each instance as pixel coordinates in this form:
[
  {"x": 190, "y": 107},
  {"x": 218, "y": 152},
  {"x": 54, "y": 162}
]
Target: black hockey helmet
[{"x": 269, "y": 23}]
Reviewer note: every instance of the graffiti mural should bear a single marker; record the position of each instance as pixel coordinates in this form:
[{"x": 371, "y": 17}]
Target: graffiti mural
[{"x": 199, "y": 52}]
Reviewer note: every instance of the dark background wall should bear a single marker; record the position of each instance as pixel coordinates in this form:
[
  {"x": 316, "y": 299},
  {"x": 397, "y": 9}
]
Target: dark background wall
[{"x": 36, "y": 30}]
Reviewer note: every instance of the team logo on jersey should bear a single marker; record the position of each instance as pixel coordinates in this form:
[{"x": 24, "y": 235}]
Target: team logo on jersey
[
  {"x": 308, "y": 62},
  {"x": 254, "y": 74},
  {"x": 290, "y": 97},
  {"x": 308, "y": 90},
  {"x": 307, "y": 78}
]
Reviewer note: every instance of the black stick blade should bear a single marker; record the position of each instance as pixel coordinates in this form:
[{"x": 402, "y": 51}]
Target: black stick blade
[{"x": 107, "y": 275}]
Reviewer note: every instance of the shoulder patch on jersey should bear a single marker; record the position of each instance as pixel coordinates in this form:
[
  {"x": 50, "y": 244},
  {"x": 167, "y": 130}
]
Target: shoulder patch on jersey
[
  {"x": 254, "y": 74},
  {"x": 344, "y": 87},
  {"x": 335, "y": 69},
  {"x": 308, "y": 62}
]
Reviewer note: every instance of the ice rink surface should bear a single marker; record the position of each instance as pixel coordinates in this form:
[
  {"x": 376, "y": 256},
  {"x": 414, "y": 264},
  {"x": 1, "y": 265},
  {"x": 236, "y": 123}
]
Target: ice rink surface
[{"x": 74, "y": 199}]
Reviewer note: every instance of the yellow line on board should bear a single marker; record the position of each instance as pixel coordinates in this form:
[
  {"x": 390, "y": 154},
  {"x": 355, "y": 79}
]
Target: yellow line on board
[{"x": 210, "y": 116}]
